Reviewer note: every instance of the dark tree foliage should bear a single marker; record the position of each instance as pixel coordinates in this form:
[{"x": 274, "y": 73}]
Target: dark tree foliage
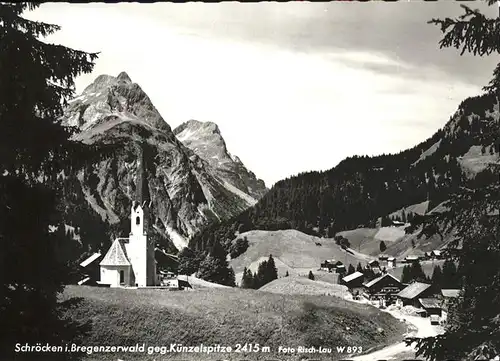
[
  {"x": 215, "y": 268},
  {"x": 310, "y": 276},
  {"x": 472, "y": 213},
  {"x": 266, "y": 273},
  {"x": 382, "y": 246},
  {"x": 437, "y": 279},
  {"x": 350, "y": 269},
  {"x": 36, "y": 80},
  {"x": 247, "y": 280},
  {"x": 238, "y": 247},
  {"x": 359, "y": 268}
]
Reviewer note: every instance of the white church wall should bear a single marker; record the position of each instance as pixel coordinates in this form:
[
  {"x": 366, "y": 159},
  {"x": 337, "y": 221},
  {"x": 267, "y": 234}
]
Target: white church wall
[{"x": 111, "y": 275}]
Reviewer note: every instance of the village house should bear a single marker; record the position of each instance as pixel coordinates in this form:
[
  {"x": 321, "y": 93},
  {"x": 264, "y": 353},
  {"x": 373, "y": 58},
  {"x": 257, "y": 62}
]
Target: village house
[
  {"x": 391, "y": 262},
  {"x": 432, "y": 306},
  {"x": 412, "y": 259},
  {"x": 329, "y": 265},
  {"x": 374, "y": 264},
  {"x": 384, "y": 287},
  {"x": 411, "y": 294},
  {"x": 340, "y": 268},
  {"x": 131, "y": 261},
  {"x": 383, "y": 257},
  {"x": 354, "y": 282},
  {"x": 90, "y": 269}
]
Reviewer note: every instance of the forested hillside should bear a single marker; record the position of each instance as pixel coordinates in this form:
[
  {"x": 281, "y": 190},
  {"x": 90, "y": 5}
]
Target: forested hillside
[{"x": 360, "y": 189}]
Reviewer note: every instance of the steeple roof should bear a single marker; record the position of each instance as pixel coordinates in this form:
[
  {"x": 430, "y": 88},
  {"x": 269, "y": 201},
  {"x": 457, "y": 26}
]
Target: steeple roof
[{"x": 116, "y": 256}]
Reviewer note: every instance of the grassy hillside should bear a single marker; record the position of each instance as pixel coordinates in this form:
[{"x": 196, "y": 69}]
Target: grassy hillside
[
  {"x": 226, "y": 317},
  {"x": 304, "y": 286},
  {"x": 292, "y": 250}
]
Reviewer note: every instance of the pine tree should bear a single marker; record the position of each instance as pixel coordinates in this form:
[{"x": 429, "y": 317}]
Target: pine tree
[
  {"x": 406, "y": 275},
  {"x": 437, "y": 278},
  {"x": 359, "y": 268},
  {"x": 416, "y": 272},
  {"x": 382, "y": 246},
  {"x": 311, "y": 276},
  {"x": 36, "y": 80},
  {"x": 286, "y": 274},
  {"x": 350, "y": 269},
  {"x": 271, "y": 271},
  {"x": 450, "y": 276}
]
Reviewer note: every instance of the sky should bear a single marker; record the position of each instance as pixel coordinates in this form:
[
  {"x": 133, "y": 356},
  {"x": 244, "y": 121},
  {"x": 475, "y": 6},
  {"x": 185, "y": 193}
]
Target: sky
[{"x": 293, "y": 87}]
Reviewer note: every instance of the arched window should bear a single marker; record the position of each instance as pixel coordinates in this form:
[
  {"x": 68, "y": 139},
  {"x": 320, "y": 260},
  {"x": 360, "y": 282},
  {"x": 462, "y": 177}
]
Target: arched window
[
  {"x": 138, "y": 220},
  {"x": 122, "y": 277}
]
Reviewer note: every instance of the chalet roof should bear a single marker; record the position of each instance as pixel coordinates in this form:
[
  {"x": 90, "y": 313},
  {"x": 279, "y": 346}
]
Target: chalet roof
[
  {"x": 116, "y": 256},
  {"x": 391, "y": 258},
  {"x": 383, "y": 256},
  {"x": 352, "y": 276},
  {"x": 413, "y": 290},
  {"x": 413, "y": 256},
  {"x": 429, "y": 302},
  {"x": 81, "y": 282},
  {"x": 90, "y": 259},
  {"x": 437, "y": 252},
  {"x": 378, "y": 279},
  {"x": 450, "y": 292},
  {"x": 372, "y": 261}
]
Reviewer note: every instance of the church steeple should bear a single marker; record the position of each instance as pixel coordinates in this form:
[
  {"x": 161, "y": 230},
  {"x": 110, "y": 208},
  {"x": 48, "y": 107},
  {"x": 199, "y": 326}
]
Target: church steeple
[{"x": 142, "y": 191}]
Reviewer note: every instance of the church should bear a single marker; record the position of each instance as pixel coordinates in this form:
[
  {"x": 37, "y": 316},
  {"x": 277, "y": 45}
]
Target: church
[{"x": 130, "y": 262}]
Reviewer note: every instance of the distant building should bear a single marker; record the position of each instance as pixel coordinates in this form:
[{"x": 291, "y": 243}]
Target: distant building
[
  {"x": 354, "y": 281},
  {"x": 374, "y": 264},
  {"x": 383, "y": 287},
  {"x": 437, "y": 254},
  {"x": 412, "y": 259},
  {"x": 411, "y": 294},
  {"x": 432, "y": 306},
  {"x": 398, "y": 223},
  {"x": 329, "y": 265},
  {"x": 383, "y": 257},
  {"x": 391, "y": 262}
]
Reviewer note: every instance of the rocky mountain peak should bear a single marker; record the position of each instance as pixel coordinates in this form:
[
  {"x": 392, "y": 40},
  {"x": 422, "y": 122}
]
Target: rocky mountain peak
[
  {"x": 115, "y": 99},
  {"x": 124, "y": 77},
  {"x": 206, "y": 141}
]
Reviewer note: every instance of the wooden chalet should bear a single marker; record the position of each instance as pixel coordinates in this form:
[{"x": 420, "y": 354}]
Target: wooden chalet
[
  {"x": 340, "y": 268},
  {"x": 90, "y": 269},
  {"x": 432, "y": 306},
  {"x": 354, "y": 281},
  {"x": 374, "y": 264},
  {"x": 383, "y": 287},
  {"x": 411, "y": 294}
]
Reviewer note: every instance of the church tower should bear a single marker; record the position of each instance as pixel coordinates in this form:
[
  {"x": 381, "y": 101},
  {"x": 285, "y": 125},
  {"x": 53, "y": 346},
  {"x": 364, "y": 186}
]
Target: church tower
[{"x": 141, "y": 249}]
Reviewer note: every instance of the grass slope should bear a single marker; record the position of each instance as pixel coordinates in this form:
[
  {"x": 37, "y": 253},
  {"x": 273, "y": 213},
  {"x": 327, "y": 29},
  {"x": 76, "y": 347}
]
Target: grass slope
[
  {"x": 292, "y": 250},
  {"x": 304, "y": 286},
  {"x": 226, "y": 317}
]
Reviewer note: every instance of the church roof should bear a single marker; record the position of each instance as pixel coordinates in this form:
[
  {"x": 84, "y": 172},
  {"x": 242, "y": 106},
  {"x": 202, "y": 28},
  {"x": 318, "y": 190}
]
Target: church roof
[{"x": 116, "y": 256}]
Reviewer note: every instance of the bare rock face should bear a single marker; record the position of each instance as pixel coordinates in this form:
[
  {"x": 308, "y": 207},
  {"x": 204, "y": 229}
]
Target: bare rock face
[
  {"x": 205, "y": 140},
  {"x": 187, "y": 191}
]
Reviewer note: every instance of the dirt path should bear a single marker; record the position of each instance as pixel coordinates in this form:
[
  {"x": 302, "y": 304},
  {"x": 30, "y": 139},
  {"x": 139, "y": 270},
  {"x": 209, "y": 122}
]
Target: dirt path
[{"x": 423, "y": 329}]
